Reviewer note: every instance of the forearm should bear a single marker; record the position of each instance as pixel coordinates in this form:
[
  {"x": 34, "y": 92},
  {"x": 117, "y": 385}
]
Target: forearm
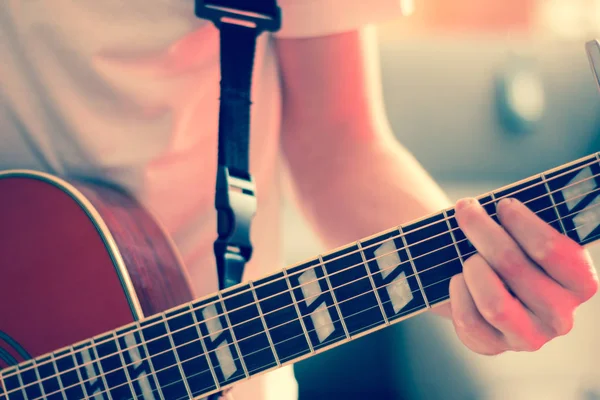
[
  {"x": 353, "y": 179},
  {"x": 353, "y": 187}
]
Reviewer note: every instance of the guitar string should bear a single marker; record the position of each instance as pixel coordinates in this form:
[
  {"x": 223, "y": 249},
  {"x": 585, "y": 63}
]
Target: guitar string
[
  {"x": 429, "y": 238},
  {"x": 329, "y": 342},
  {"x": 328, "y": 290},
  {"x": 210, "y": 391},
  {"x": 437, "y": 300},
  {"x": 214, "y": 388},
  {"x": 218, "y": 316},
  {"x": 332, "y": 341},
  {"x": 248, "y": 337},
  {"x": 304, "y": 351},
  {"x": 544, "y": 181},
  {"x": 595, "y": 157},
  {"x": 284, "y": 307}
]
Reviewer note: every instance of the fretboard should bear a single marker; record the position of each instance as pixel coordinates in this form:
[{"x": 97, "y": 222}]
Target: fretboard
[{"x": 207, "y": 345}]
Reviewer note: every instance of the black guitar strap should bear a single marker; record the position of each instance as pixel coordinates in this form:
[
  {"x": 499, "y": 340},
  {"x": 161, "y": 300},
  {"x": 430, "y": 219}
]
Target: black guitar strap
[{"x": 240, "y": 22}]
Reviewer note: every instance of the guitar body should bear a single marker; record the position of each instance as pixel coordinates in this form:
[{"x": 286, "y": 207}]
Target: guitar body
[
  {"x": 77, "y": 260},
  {"x": 80, "y": 263}
]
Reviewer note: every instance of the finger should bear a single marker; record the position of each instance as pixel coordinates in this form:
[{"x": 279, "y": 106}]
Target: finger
[
  {"x": 550, "y": 302},
  {"x": 500, "y": 250},
  {"x": 499, "y": 308},
  {"x": 560, "y": 257},
  {"x": 472, "y": 329}
]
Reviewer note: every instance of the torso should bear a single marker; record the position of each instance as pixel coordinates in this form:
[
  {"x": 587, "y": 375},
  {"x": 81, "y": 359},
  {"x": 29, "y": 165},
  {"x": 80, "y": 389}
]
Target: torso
[{"x": 127, "y": 92}]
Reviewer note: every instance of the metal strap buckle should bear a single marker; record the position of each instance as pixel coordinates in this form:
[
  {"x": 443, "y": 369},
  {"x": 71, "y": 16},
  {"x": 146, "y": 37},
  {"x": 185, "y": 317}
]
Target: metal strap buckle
[
  {"x": 236, "y": 205},
  {"x": 218, "y": 14}
]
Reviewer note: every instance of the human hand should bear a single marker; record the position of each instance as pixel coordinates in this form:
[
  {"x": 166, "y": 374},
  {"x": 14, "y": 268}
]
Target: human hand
[{"x": 522, "y": 287}]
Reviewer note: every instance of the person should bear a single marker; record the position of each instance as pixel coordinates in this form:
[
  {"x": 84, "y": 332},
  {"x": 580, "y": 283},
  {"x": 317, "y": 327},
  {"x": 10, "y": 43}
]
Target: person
[{"x": 127, "y": 92}]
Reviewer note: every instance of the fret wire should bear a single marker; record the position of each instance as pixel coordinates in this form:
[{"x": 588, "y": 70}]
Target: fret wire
[
  {"x": 463, "y": 240},
  {"x": 235, "y": 341},
  {"x": 412, "y": 264},
  {"x": 37, "y": 374},
  {"x": 150, "y": 363},
  {"x": 22, "y": 386},
  {"x": 102, "y": 373},
  {"x": 204, "y": 349},
  {"x": 487, "y": 194},
  {"x": 563, "y": 188},
  {"x": 412, "y": 312},
  {"x": 300, "y": 316},
  {"x": 533, "y": 185},
  {"x": 495, "y": 201},
  {"x": 183, "y": 376},
  {"x": 333, "y": 296},
  {"x": 447, "y": 278},
  {"x": 525, "y": 188},
  {"x": 553, "y": 203},
  {"x": 408, "y": 315},
  {"x": 373, "y": 285},
  {"x": 60, "y": 385},
  {"x": 125, "y": 369},
  {"x": 469, "y": 254},
  {"x": 596, "y": 237},
  {"x": 264, "y": 323},
  {"x": 76, "y": 364},
  {"x": 451, "y": 230},
  {"x": 443, "y": 233},
  {"x": 38, "y": 381}
]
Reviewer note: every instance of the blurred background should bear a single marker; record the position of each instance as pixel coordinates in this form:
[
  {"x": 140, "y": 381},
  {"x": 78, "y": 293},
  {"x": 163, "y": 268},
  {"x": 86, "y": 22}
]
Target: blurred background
[{"x": 484, "y": 93}]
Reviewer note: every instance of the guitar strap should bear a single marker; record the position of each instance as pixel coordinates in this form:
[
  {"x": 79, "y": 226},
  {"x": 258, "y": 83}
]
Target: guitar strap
[{"x": 240, "y": 22}]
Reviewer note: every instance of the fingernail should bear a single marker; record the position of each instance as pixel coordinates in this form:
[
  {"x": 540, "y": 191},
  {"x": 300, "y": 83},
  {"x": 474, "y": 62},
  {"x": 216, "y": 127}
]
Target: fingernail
[
  {"x": 504, "y": 202},
  {"x": 464, "y": 203}
]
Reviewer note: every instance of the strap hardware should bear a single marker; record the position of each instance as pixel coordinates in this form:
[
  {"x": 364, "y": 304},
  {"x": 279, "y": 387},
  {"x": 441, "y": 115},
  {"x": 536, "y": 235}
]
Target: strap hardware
[
  {"x": 235, "y": 202},
  {"x": 218, "y": 14}
]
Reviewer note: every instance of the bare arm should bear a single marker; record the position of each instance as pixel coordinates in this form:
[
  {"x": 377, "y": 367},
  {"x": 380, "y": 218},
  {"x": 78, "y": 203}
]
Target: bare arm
[{"x": 354, "y": 179}]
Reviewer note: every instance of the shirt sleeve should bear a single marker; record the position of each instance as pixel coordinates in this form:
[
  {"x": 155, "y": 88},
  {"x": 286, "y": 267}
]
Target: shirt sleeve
[{"x": 309, "y": 18}]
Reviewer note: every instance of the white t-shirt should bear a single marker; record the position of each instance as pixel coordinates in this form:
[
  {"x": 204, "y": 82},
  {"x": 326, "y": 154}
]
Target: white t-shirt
[{"x": 127, "y": 91}]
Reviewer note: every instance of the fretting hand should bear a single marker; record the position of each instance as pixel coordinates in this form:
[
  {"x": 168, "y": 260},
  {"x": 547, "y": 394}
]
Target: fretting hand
[{"x": 522, "y": 288}]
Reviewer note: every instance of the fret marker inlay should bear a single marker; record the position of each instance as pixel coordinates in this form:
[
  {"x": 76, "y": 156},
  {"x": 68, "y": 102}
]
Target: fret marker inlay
[
  {"x": 223, "y": 352},
  {"x": 140, "y": 373},
  {"x": 93, "y": 380},
  {"x": 582, "y": 183},
  {"x": 320, "y": 316},
  {"x": 588, "y": 220},
  {"x": 399, "y": 291},
  {"x": 578, "y": 192},
  {"x": 203, "y": 347}
]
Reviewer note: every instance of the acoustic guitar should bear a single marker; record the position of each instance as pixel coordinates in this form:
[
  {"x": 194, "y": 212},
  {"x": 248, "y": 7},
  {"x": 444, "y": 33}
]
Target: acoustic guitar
[{"x": 94, "y": 302}]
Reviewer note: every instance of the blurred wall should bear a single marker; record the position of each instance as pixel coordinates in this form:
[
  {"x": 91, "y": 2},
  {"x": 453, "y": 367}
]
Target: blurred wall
[{"x": 441, "y": 98}]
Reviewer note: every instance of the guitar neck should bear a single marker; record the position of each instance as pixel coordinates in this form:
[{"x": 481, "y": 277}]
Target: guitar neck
[{"x": 209, "y": 344}]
